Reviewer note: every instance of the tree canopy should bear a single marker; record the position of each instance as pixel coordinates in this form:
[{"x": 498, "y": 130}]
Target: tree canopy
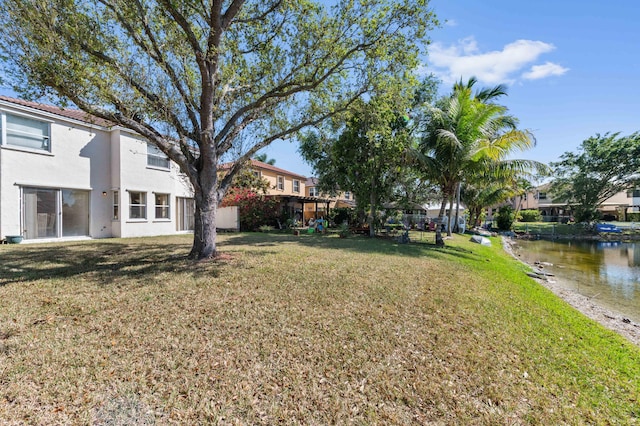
[
  {"x": 367, "y": 157},
  {"x": 603, "y": 166},
  {"x": 209, "y": 81},
  {"x": 467, "y": 134}
]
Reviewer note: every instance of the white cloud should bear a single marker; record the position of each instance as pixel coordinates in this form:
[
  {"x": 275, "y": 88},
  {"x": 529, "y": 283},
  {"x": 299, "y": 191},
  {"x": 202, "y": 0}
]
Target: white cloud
[
  {"x": 464, "y": 60},
  {"x": 451, "y": 23},
  {"x": 546, "y": 70}
]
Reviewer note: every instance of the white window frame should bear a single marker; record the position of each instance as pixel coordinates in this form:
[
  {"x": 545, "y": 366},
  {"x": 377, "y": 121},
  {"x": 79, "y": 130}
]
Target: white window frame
[
  {"x": 296, "y": 186},
  {"x": 46, "y": 139},
  {"x": 157, "y": 159},
  {"x": 313, "y": 191},
  {"x": 115, "y": 213},
  {"x": 347, "y": 195},
  {"x": 164, "y": 209},
  {"x": 280, "y": 183},
  {"x": 142, "y": 205}
]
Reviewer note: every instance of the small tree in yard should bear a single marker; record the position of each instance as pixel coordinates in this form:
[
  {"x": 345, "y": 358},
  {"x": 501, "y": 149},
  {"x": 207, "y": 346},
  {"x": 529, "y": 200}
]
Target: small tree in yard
[{"x": 209, "y": 80}]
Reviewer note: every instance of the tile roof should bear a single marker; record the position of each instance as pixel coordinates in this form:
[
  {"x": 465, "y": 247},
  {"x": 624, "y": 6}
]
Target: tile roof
[
  {"x": 73, "y": 114},
  {"x": 260, "y": 165}
]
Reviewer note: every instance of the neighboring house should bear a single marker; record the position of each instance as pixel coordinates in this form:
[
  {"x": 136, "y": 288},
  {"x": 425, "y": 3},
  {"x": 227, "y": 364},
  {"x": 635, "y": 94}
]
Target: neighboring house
[
  {"x": 290, "y": 190},
  {"x": 343, "y": 199},
  {"x": 618, "y": 206},
  {"x": 66, "y": 175}
]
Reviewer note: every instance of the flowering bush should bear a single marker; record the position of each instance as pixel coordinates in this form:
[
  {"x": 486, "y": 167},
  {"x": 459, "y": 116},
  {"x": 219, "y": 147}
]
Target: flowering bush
[{"x": 254, "y": 209}]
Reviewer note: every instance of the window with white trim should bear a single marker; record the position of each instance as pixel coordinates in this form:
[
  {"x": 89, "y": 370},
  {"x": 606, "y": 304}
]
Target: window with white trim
[
  {"x": 347, "y": 195},
  {"x": 296, "y": 185},
  {"x": 280, "y": 183},
  {"x": 25, "y": 132},
  {"x": 156, "y": 158},
  {"x": 116, "y": 206},
  {"x": 313, "y": 191},
  {"x": 162, "y": 206},
  {"x": 137, "y": 205}
]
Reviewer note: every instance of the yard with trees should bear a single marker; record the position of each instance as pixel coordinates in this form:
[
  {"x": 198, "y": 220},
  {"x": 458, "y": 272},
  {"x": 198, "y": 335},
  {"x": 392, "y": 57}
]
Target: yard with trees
[{"x": 210, "y": 81}]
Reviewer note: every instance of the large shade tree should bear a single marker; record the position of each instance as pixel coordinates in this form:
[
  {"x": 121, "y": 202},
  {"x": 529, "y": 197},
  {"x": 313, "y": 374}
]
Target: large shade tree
[
  {"x": 210, "y": 80},
  {"x": 603, "y": 166},
  {"x": 468, "y": 133},
  {"x": 367, "y": 156}
]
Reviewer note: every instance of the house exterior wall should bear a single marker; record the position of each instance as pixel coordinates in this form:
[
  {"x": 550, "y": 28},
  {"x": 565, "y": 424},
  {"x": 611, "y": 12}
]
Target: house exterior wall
[
  {"x": 79, "y": 159},
  {"x": 136, "y": 176},
  {"x": 288, "y": 178},
  {"x": 87, "y": 157}
]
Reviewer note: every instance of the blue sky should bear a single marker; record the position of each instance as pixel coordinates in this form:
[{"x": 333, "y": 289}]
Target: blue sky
[{"x": 572, "y": 67}]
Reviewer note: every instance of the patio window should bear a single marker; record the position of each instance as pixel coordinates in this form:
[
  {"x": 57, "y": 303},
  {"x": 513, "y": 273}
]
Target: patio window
[
  {"x": 137, "y": 205},
  {"x": 162, "y": 206}
]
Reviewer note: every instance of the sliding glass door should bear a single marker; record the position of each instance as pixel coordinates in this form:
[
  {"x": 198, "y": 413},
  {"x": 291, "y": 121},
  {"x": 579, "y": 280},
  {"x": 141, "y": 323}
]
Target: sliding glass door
[
  {"x": 40, "y": 213},
  {"x": 54, "y": 213}
]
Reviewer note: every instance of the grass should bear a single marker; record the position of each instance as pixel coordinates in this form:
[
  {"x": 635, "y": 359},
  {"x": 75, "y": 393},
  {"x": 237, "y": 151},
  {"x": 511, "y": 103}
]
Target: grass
[{"x": 306, "y": 329}]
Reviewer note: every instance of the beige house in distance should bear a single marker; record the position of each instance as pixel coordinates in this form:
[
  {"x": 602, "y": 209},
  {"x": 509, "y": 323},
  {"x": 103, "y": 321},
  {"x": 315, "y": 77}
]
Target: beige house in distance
[
  {"x": 343, "y": 199},
  {"x": 619, "y": 205},
  {"x": 297, "y": 200}
]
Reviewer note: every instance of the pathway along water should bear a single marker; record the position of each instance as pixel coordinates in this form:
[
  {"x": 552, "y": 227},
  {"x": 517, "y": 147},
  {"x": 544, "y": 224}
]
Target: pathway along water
[{"x": 595, "y": 274}]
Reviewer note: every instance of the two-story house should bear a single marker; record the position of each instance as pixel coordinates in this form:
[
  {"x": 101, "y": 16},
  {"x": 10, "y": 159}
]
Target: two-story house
[
  {"x": 297, "y": 200},
  {"x": 616, "y": 207},
  {"x": 342, "y": 199},
  {"x": 64, "y": 174}
]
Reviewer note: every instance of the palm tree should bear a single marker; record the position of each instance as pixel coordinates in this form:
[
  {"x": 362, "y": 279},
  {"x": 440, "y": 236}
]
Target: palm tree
[{"x": 467, "y": 134}]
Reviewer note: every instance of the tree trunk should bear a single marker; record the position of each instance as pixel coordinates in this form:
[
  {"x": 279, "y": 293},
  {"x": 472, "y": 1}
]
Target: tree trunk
[
  {"x": 443, "y": 206},
  {"x": 204, "y": 232},
  {"x": 456, "y": 228},
  {"x": 372, "y": 212},
  {"x": 450, "y": 216},
  {"x": 206, "y": 193}
]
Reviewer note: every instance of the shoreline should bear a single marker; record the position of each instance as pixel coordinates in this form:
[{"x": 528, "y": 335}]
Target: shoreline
[{"x": 612, "y": 320}]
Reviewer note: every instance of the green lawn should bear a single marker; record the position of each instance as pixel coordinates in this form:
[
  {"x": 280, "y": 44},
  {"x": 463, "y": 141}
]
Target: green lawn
[{"x": 307, "y": 329}]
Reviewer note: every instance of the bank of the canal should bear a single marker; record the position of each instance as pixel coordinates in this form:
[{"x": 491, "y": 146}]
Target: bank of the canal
[{"x": 616, "y": 307}]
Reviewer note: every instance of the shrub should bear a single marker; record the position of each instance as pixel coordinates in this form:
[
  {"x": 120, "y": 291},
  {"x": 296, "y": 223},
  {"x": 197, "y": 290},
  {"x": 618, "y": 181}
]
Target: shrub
[
  {"x": 531, "y": 215},
  {"x": 342, "y": 214},
  {"x": 254, "y": 209},
  {"x": 505, "y": 218}
]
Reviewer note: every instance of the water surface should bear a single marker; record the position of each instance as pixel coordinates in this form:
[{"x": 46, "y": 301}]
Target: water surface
[{"x": 608, "y": 272}]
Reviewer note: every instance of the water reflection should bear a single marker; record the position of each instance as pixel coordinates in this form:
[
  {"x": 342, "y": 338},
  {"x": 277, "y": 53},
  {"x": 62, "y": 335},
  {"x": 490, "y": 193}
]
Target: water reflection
[{"x": 609, "y": 272}]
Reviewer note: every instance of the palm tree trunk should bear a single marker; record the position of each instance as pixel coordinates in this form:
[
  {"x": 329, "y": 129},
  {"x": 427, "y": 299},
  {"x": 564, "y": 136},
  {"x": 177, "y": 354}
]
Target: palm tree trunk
[
  {"x": 455, "y": 223},
  {"x": 450, "y": 217}
]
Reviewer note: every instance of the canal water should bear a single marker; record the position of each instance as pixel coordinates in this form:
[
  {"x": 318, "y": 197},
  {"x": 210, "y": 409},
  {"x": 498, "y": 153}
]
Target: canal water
[{"x": 608, "y": 272}]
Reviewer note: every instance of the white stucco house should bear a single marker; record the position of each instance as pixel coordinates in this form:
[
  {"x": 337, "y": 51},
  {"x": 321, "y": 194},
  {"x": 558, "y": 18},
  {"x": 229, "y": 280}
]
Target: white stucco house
[{"x": 67, "y": 175}]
